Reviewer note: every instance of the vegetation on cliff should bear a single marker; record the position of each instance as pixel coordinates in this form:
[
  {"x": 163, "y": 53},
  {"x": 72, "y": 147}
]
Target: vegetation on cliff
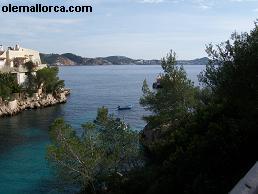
[
  {"x": 46, "y": 79},
  {"x": 49, "y": 80},
  {"x": 8, "y": 85}
]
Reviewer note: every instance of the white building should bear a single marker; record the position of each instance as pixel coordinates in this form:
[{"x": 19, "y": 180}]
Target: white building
[{"x": 12, "y": 61}]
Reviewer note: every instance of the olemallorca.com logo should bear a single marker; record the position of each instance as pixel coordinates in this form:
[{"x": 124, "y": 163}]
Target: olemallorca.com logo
[{"x": 39, "y": 8}]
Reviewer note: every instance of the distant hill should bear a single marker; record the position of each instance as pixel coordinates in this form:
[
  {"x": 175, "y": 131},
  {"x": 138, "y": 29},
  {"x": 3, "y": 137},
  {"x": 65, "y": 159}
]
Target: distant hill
[
  {"x": 200, "y": 61},
  {"x": 69, "y": 59}
]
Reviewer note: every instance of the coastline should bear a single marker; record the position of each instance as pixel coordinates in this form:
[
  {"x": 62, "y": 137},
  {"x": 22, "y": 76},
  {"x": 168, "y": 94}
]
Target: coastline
[
  {"x": 106, "y": 65},
  {"x": 18, "y": 105},
  {"x": 94, "y": 65}
]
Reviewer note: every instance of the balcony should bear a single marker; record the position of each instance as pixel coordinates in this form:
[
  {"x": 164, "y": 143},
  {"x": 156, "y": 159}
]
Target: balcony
[{"x": 20, "y": 69}]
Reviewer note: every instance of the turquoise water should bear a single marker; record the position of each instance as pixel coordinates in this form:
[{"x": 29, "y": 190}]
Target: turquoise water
[{"x": 23, "y": 138}]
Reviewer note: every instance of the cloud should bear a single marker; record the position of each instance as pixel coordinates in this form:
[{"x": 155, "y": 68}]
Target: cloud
[
  {"x": 244, "y": 0},
  {"x": 202, "y": 4},
  {"x": 31, "y": 26},
  {"x": 152, "y": 1},
  {"x": 204, "y": 7},
  {"x": 118, "y": 28}
]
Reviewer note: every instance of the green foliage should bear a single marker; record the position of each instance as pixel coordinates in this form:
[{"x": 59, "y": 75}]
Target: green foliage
[
  {"x": 202, "y": 137},
  {"x": 175, "y": 99},
  {"x": 172, "y": 105},
  {"x": 8, "y": 85},
  {"x": 48, "y": 77},
  {"x": 107, "y": 149},
  {"x": 102, "y": 115}
]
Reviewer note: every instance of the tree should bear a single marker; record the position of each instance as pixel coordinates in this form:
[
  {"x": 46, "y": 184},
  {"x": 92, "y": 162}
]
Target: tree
[
  {"x": 8, "y": 85},
  {"x": 172, "y": 105},
  {"x": 48, "y": 77},
  {"x": 30, "y": 81},
  {"x": 209, "y": 132},
  {"x": 232, "y": 78},
  {"x": 175, "y": 99},
  {"x": 106, "y": 149}
]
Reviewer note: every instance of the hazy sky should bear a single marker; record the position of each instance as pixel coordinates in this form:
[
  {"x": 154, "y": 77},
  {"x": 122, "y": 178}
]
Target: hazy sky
[{"x": 134, "y": 28}]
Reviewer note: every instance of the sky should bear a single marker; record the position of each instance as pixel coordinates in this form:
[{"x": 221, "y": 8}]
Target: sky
[{"x": 142, "y": 29}]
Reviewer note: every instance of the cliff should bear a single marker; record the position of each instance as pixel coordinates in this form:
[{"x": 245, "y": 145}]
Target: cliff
[{"x": 18, "y": 105}]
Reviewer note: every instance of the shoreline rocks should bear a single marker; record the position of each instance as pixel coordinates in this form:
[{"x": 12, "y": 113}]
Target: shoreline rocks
[{"x": 16, "y": 106}]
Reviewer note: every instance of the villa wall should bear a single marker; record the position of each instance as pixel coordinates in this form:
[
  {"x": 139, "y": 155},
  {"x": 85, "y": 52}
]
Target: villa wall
[
  {"x": 2, "y": 63},
  {"x": 2, "y": 58},
  {"x": 21, "y": 78},
  {"x": 7, "y": 57},
  {"x": 22, "y": 52},
  {"x": 7, "y": 65}
]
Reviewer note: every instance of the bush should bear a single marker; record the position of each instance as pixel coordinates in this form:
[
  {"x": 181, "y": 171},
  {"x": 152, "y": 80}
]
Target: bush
[{"x": 8, "y": 85}]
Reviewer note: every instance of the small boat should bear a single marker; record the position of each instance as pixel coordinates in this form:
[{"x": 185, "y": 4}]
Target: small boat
[{"x": 129, "y": 107}]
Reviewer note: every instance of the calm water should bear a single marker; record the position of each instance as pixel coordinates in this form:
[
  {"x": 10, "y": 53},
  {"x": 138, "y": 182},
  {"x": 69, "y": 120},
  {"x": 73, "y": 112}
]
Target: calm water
[{"x": 23, "y": 138}]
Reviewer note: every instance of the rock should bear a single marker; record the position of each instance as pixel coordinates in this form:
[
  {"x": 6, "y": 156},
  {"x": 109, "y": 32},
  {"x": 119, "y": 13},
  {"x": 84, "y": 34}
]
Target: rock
[{"x": 13, "y": 107}]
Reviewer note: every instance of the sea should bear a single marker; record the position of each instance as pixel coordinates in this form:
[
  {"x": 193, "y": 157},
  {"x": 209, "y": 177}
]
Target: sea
[{"x": 24, "y": 137}]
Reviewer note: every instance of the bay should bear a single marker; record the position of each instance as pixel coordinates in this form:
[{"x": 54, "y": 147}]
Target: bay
[{"x": 23, "y": 138}]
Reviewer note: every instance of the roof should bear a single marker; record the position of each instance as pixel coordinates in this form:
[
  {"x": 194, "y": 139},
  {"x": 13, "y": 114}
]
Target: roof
[{"x": 248, "y": 184}]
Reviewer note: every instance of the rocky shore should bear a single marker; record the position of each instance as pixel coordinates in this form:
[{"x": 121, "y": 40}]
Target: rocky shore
[{"x": 18, "y": 105}]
